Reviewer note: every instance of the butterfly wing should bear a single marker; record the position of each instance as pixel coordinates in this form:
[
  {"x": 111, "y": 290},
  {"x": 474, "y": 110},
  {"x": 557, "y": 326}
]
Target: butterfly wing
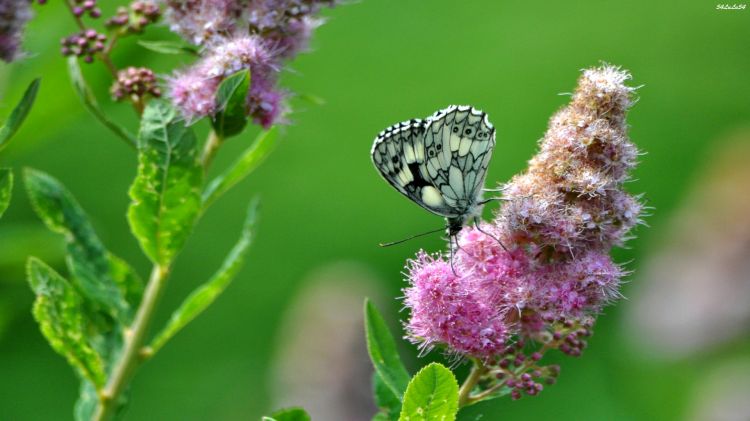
[
  {"x": 458, "y": 144},
  {"x": 399, "y": 155}
]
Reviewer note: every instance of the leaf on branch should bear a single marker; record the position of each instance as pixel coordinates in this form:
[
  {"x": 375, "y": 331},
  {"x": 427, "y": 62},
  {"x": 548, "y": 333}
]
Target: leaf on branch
[
  {"x": 385, "y": 399},
  {"x": 165, "y": 195},
  {"x": 204, "y": 295},
  {"x": 101, "y": 277},
  {"x": 432, "y": 395},
  {"x": 168, "y": 47},
  {"x": 19, "y": 113},
  {"x": 231, "y": 101},
  {"x": 59, "y": 311},
  {"x": 289, "y": 414},
  {"x": 382, "y": 349},
  {"x": 6, "y": 188},
  {"x": 88, "y": 399},
  {"x": 242, "y": 167},
  {"x": 89, "y": 101}
]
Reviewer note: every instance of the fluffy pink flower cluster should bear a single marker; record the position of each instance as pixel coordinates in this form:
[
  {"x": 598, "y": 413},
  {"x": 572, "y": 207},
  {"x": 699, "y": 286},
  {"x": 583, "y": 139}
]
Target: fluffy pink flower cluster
[
  {"x": 257, "y": 35},
  {"x": 559, "y": 221}
]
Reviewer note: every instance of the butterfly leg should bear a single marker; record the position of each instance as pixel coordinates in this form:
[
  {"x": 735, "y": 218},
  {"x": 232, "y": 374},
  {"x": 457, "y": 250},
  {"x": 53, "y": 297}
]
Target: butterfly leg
[
  {"x": 450, "y": 247},
  {"x": 479, "y": 228}
]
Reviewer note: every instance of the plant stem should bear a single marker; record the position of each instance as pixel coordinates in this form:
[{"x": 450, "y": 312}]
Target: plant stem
[
  {"x": 134, "y": 337},
  {"x": 213, "y": 142},
  {"x": 477, "y": 370}
]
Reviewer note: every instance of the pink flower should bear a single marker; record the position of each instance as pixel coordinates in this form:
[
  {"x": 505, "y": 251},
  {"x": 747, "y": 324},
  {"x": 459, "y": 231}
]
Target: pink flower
[
  {"x": 573, "y": 288},
  {"x": 281, "y": 28},
  {"x": 559, "y": 221},
  {"x": 193, "y": 93},
  {"x": 445, "y": 309}
]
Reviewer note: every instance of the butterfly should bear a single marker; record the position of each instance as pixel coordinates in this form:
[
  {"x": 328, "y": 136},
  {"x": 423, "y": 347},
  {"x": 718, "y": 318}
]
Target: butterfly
[{"x": 440, "y": 162}]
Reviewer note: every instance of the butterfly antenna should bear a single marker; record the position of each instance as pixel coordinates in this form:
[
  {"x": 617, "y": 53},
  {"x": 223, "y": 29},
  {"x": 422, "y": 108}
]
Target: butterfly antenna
[
  {"x": 393, "y": 243},
  {"x": 478, "y": 227},
  {"x": 491, "y": 199}
]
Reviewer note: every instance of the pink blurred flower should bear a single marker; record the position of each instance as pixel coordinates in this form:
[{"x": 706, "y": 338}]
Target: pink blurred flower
[
  {"x": 280, "y": 30},
  {"x": 193, "y": 93},
  {"x": 13, "y": 17}
]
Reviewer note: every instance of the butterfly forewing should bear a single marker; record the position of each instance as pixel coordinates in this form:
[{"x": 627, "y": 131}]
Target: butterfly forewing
[{"x": 439, "y": 163}]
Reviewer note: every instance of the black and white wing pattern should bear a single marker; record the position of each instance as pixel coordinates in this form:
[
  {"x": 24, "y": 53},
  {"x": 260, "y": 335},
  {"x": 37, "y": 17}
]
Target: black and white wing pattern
[{"x": 439, "y": 163}]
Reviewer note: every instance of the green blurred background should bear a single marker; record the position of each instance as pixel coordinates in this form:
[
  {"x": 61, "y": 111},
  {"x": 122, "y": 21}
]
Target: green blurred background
[{"x": 375, "y": 62}]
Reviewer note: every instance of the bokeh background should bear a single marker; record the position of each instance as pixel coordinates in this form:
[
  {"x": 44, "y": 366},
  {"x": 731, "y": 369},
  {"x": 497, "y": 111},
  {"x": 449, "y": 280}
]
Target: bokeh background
[{"x": 288, "y": 330}]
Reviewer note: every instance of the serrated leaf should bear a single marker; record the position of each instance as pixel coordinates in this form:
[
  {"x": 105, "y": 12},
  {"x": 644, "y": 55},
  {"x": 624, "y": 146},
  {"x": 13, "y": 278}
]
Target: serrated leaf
[
  {"x": 165, "y": 196},
  {"x": 19, "y": 113},
  {"x": 89, "y": 101},
  {"x": 59, "y": 311},
  {"x": 6, "y": 188},
  {"x": 101, "y": 277},
  {"x": 289, "y": 414},
  {"x": 382, "y": 349},
  {"x": 432, "y": 395},
  {"x": 168, "y": 47},
  {"x": 242, "y": 167},
  {"x": 385, "y": 399},
  {"x": 204, "y": 295},
  {"x": 231, "y": 101}
]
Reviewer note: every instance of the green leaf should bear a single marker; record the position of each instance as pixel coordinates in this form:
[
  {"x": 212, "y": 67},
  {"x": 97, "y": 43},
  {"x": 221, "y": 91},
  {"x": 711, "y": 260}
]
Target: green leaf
[
  {"x": 165, "y": 196},
  {"x": 168, "y": 47},
  {"x": 381, "y": 416},
  {"x": 289, "y": 414},
  {"x": 18, "y": 115},
  {"x": 87, "y": 401},
  {"x": 382, "y": 349},
  {"x": 385, "y": 399},
  {"x": 89, "y": 101},
  {"x": 6, "y": 188},
  {"x": 101, "y": 277},
  {"x": 231, "y": 100},
  {"x": 242, "y": 167},
  {"x": 312, "y": 99},
  {"x": 432, "y": 395},
  {"x": 59, "y": 311},
  {"x": 204, "y": 295}
]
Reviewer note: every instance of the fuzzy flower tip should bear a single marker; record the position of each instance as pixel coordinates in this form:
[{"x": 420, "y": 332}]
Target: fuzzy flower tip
[
  {"x": 280, "y": 30},
  {"x": 560, "y": 219},
  {"x": 445, "y": 311},
  {"x": 13, "y": 17}
]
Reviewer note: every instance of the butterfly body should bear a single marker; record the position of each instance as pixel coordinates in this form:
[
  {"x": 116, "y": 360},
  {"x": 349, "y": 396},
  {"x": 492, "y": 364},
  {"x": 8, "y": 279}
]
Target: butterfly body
[{"x": 440, "y": 162}]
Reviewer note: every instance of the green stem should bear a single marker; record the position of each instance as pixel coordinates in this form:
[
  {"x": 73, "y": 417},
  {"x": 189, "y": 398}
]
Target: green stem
[
  {"x": 134, "y": 337},
  {"x": 464, "y": 393},
  {"x": 212, "y": 145}
]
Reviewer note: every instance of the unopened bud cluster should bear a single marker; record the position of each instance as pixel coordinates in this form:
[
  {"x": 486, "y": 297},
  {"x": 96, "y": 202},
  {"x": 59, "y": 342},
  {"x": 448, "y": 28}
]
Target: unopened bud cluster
[
  {"x": 135, "y": 18},
  {"x": 83, "y": 44},
  {"x": 86, "y": 7},
  {"x": 135, "y": 83}
]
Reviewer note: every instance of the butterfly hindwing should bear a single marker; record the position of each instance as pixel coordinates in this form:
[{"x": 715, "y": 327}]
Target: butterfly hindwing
[
  {"x": 439, "y": 163},
  {"x": 459, "y": 141}
]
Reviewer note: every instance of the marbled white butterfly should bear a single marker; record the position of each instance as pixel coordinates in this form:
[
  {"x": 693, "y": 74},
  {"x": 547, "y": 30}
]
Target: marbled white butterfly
[{"x": 439, "y": 162}]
